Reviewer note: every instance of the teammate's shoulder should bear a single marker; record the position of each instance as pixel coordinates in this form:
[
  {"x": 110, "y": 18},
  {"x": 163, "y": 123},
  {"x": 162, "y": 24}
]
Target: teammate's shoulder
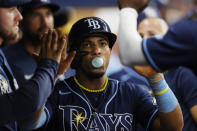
[
  {"x": 189, "y": 21},
  {"x": 13, "y": 51},
  {"x": 183, "y": 30},
  {"x": 12, "y": 47}
]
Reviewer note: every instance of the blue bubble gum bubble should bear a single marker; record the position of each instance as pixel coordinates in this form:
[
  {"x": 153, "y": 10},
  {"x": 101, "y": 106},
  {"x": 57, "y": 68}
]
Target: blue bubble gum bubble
[{"x": 97, "y": 62}]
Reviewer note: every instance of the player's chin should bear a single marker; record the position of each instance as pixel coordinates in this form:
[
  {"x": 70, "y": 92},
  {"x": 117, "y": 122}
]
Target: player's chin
[
  {"x": 98, "y": 70},
  {"x": 13, "y": 35},
  {"x": 96, "y": 74}
]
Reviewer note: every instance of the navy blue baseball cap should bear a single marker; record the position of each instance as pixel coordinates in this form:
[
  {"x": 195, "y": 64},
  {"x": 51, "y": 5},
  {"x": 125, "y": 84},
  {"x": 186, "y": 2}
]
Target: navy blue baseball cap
[
  {"x": 89, "y": 26},
  {"x": 10, "y": 3},
  {"x": 37, "y": 4}
]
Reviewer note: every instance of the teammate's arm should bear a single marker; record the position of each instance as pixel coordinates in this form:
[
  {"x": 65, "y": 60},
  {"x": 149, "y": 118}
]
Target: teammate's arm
[
  {"x": 39, "y": 118},
  {"x": 30, "y": 98},
  {"x": 129, "y": 40},
  {"x": 169, "y": 114}
]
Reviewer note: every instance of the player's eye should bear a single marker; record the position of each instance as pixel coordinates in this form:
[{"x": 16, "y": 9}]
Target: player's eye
[
  {"x": 49, "y": 13},
  {"x": 103, "y": 43},
  {"x": 85, "y": 44},
  {"x": 35, "y": 15},
  {"x": 12, "y": 9}
]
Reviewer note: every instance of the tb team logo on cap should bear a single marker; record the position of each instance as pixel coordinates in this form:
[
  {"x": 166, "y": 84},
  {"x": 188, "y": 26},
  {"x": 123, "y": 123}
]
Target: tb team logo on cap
[{"x": 93, "y": 23}]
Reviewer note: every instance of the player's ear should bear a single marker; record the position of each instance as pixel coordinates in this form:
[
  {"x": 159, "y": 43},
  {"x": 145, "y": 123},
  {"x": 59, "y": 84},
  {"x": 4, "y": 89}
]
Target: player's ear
[{"x": 110, "y": 50}]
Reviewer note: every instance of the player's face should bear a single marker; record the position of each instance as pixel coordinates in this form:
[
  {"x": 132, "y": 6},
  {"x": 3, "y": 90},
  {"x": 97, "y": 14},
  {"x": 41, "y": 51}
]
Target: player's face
[
  {"x": 90, "y": 48},
  {"x": 9, "y": 21},
  {"x": 150, "y": 27},
  {"x": 37, "y": 22}
]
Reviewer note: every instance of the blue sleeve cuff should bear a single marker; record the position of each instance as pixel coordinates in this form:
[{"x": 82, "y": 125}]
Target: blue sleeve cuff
[{"x": 148, "y": 56}]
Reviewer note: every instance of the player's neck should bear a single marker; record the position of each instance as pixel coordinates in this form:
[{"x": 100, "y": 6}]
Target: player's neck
[{"x": 91, "y": 83}]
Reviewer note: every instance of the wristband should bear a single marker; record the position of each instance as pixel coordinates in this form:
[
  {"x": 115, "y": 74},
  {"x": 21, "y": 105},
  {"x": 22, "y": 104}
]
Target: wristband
[{"x": 165, "y": 98}]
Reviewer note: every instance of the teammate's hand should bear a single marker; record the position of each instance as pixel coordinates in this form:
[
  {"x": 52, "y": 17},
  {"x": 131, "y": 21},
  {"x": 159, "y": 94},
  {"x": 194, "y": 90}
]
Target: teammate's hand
[
  {"x": 139, "y": 5},
  {"x": 52, "y": 45},
  {"x": 146, "y": 71},
  {"x": 65, "y": 61}
]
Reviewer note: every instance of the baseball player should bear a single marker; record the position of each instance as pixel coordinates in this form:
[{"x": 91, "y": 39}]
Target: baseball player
[
  {"x": 91, "y": 101},
  {"x": 16, "y": 103},
  {"x": 181, "y": 80},
  {"x": 176, "y": 47},
  {"x": 37, "y": 18}
]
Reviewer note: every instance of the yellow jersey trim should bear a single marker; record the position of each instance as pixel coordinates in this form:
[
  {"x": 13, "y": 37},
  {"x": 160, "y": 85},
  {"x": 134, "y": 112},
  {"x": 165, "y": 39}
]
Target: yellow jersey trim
[{"x": 86, "y": 89}]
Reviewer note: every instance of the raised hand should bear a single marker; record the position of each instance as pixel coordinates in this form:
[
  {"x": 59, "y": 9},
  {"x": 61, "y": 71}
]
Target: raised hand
[
  {"x": 146, "y": 71},
  {"x": 65, "y": 60},
  {"x": 52, "y": 45},
  {"x": 139, "y": 5}
]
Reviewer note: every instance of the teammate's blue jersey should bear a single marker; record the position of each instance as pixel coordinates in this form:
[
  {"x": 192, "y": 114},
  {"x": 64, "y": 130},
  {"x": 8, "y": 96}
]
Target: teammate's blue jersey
[
  {"x": 177, "y": 47},
  {"x": 23, "y": 64},
  {"x": 183, "y": 83},
  {"x": 8, "y": 84},
  {"x": 121, "y": 106}
]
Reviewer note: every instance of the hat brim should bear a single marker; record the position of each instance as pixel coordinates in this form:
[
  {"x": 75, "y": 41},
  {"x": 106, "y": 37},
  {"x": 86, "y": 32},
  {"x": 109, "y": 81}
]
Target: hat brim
[
  {"x": 110, "y": 36},
  {"x": 7, "y": 4}
]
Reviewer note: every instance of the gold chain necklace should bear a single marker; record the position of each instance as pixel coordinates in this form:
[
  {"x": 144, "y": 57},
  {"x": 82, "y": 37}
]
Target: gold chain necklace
[
  {"x": 96, "y": 91},
  {"x": 93, "y": 108},
  {"x": 86, "y": 89}
]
